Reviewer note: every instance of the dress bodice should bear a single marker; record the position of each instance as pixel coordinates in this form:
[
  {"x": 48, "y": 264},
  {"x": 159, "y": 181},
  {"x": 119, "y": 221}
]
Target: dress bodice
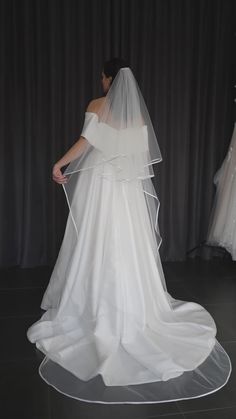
[{"x": 111, "y": 141}]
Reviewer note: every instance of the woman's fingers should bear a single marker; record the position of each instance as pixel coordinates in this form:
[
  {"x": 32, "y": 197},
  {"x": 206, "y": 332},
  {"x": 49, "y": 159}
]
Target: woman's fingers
[
  {"x": 62, "y": 179},
  {"x": 58, "y": 176},
  {"x": 57, "y": 173}
]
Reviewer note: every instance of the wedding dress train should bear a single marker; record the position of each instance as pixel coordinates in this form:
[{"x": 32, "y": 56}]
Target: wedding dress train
[
  {"x": 111, "y": 332},
  {"x": 108, "y": 314}
]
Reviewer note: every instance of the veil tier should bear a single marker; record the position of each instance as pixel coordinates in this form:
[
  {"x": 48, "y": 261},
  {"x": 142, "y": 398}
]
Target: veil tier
[
  {"x": 111, "y": 333},
  {"x": 121, "y": 143},
  {"x": 122, "y": 131}
]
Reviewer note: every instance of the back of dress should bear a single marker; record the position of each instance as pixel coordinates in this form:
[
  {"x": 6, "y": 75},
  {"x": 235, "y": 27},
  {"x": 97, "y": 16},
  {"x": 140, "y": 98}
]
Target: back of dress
[{"x": 111, "y": 332}]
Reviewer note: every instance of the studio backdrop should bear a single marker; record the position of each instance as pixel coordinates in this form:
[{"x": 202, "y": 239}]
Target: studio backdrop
[{"x": 52, "y": 53}]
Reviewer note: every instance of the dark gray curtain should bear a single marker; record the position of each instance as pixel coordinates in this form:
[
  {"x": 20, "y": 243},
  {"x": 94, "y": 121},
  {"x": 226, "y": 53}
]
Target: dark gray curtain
[{"x": 52, "y": 52}]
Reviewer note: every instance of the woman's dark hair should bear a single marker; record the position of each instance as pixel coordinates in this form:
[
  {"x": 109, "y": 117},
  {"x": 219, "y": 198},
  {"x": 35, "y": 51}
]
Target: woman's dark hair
[{"x": 111, "y": 67}]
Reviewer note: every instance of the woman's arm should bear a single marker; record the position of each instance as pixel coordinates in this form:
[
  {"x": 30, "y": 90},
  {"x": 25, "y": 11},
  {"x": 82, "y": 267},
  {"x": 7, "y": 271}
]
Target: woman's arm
[
  {"x": 69, "y": 156},
  {"x": 76, "y": 149}
]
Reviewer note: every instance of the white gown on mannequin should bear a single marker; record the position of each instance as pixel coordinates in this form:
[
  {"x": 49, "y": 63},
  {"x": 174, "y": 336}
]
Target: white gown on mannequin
[
  {"x": 110, "y": 325},
  {"x": 222, "y": 229}
]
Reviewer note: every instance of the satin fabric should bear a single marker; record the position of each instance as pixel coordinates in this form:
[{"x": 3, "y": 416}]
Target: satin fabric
[{"x": 108, "y": 314}]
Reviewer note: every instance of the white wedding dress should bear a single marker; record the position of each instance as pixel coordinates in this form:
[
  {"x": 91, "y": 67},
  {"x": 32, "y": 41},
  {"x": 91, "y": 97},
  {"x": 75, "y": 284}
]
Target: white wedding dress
[
  {"x": 222, "y": 227},
  {"x": 111, "y": 333}
]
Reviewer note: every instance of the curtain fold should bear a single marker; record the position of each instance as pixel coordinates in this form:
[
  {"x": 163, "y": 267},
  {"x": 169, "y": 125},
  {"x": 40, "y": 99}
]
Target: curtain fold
[{"x": 182, "y": 54}]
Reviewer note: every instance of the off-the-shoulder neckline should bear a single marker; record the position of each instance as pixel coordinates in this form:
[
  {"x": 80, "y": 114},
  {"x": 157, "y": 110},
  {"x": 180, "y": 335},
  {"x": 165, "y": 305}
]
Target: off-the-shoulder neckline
[{"x": 93, "y": 113}]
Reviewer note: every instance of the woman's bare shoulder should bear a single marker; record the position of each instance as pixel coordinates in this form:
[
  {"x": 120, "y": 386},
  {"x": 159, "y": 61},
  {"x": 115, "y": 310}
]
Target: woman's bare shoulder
[{"x": 95, "y": 104}]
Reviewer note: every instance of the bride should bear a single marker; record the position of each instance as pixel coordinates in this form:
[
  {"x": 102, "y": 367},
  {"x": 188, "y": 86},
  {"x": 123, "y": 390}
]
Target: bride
[{"x": 111, "y": 332}]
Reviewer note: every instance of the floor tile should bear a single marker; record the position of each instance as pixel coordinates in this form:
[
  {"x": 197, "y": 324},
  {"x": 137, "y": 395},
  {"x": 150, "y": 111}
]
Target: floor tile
[
  {"x": 15, "y": 278},
  {"x": 24, "y": 395},
  {"x": 229, "y": 413},
  {"x": 61, "y": 405},
  {"x": 13, "y": 333},
  {"x": 34, "y": 399},
  {"x": 179, "y": 291},
  {"x": 200, "y": 270},
  {"x": 221, "y": 290},
  {"x": 225, "y": 318},
  {"x": 230, "y": 348},
  {"x": 225, "y": 397},
  {"x": 27, "y": 396},
  {"x": 25, "y": 301}
]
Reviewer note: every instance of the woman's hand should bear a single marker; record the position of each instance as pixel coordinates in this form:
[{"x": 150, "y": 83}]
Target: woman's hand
[
  {"x": 57, "y": 176},
  {"x": 73, "y": 153}
]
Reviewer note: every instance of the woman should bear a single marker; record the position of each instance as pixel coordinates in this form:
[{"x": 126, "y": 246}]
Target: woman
[{"x": 111, "y": 333}]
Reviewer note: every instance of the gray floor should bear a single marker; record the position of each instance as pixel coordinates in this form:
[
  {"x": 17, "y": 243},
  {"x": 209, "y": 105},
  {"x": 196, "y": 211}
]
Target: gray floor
[{"x": 24, "y": 395}]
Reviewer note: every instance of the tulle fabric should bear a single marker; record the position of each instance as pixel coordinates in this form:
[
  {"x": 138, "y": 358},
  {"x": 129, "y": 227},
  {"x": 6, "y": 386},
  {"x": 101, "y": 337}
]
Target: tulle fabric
[
  {"x": 209, "y": 377},
  {"x": 222, "y": 226},
  {"x": 111, "y": 332},
  {"x": 129, "y": 165},
  {"x": 121, "y": 130}
]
